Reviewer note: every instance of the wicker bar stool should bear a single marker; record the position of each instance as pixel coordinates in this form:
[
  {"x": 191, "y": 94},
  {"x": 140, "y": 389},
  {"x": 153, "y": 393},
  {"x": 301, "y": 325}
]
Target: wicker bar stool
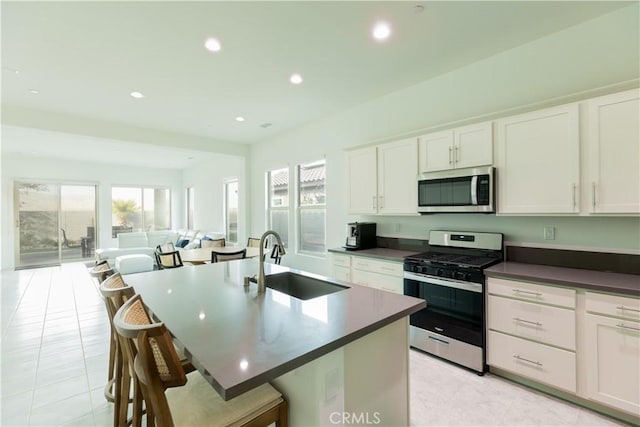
[
  {"x": 101, "y": 271},
  {"x": 115, "y": 292},
  {"x": 190, "y": 400}
]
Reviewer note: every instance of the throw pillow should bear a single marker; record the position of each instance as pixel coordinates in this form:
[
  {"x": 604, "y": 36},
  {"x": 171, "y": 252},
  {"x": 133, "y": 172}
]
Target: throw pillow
[{"x": 182, "y": 243}]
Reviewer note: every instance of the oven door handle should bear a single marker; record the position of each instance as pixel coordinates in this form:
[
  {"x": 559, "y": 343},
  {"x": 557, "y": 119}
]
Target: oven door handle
[{"x": 457, "y": 284}]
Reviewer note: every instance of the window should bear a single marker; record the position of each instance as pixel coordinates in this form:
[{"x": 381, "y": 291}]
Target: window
[
  {"x": 278, "y": 203},
  {"x": 190, "y": 207},
  {"x": 140, "y": 209},
  {"x": 311, "y": 207},
  {"x": 231, "y": 209}
]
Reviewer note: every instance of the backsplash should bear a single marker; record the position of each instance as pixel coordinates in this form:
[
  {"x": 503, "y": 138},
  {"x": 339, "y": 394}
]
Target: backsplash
[{"x": 599, "y": 261}]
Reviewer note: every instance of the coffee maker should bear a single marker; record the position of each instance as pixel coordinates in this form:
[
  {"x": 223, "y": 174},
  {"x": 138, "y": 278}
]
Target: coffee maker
[{"x": 361, "y": 235}]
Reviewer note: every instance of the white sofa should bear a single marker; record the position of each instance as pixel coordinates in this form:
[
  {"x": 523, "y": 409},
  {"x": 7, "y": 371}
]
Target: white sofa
[
  {"x": 137, "y": 243},
  {"x": 146, "y": 243}
]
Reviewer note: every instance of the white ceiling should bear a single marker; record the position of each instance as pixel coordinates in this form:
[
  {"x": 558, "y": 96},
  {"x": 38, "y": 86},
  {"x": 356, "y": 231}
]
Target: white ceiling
[{"x": 85, "y": 58}]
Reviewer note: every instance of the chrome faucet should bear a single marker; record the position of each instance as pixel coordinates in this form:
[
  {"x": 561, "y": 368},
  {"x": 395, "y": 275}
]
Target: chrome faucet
[{"x": 281, "y": 251}]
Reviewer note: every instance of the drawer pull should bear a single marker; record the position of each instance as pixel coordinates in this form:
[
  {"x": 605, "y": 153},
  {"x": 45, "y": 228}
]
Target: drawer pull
[
  {"x": 622, "y": 325},
  {"x": 438, "y": 340},
  {"x": 520, "y": 291},
  {"x": 623, "y": 308},
  {"x": 515, "y": 356},
  {"x": 517, "y": 319}
]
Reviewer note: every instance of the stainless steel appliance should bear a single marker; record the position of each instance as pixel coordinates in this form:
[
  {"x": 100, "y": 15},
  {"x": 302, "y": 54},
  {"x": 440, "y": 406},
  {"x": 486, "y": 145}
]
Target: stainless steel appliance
[
  {"x": 449, "y": 276},
  {"x": 361, "y": 235},
  {"x": 458, "y": 190}
]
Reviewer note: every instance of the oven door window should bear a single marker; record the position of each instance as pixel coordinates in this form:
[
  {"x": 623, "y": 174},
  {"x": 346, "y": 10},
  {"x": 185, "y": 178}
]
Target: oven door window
[{"x": 452, "y": 312}]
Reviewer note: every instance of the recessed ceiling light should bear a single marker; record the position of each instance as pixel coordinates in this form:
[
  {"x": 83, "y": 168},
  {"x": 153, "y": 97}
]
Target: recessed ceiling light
[
  {"x": 34, "y": 91},
  {"x": 137, "y": 95},
  {"x": 295, "y": 78},
  {"x": 212, "y": 45},
  {"x": 381, "y": 31},
  {"x": 239, "y": 119}
]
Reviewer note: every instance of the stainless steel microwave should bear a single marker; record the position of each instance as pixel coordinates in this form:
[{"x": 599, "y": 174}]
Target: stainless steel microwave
[{"x": 457, "y": 190}]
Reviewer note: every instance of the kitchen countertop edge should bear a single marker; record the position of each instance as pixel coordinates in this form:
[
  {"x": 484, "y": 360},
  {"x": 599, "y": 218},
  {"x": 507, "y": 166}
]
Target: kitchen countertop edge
[
  {"x": 628, "y": 284},
  {"x": 385, "y": 254}
]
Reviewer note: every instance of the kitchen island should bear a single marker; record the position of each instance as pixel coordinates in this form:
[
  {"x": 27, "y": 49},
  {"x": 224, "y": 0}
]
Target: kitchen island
[{"x": 337, "y": 358}]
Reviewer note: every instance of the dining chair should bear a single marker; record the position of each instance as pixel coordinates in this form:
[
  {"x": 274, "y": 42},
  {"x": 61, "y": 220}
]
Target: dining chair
[
  {"x": 166, "y": 247},
  {"x": 101, "y": 270},
  {"x": 253, "y": 242},
  {"x": 115, "y": 292},
  {"x": 228, "y": 256},
  {"x": 175, "y": 398},
  {"x": 275, "y": 254},
  {"x": 170, "y": 259},
  {"x": 215, "y": 243}
]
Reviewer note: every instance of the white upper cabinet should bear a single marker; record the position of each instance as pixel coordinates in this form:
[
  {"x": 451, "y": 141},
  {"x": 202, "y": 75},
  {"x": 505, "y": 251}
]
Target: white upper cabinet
[
  {"x": 398, "y": 177},
  {"x": 538, "y": 162},
  {"x": 362, "y": 184},
  {"x": 612, "y": 154},
  {"x": 383, "y": 179},
  {"x": 462, "y": 147}
]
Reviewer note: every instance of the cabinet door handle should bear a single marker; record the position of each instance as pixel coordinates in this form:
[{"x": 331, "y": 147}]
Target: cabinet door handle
[
  {"x": 381, "y": 202},
  {"x": 520, "y": 291},
  {"x": 574, "y": 197},
  {"x": 450, "y": 158},
  {"x": 622, "y": 307},
  {"x": 593, "y": 196},
  {"x": 622, "y": 325},
  {"x": 517, "y": 319},
  {"x": 373, "y": 203},
  {"x": 515, "y": 356},
  {"x": 456, "y": 158}
]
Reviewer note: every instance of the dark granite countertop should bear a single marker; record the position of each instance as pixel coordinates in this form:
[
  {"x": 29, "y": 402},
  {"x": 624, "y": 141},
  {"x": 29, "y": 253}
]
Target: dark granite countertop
[
  {"x": 579, "y": 278},
  {"x": 239, "y": 339},
  {"x": 385, "y": 254}
]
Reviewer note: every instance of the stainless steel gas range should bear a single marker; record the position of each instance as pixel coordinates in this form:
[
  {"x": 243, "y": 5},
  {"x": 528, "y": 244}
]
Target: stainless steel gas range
[{"x": 450, "y": 277}]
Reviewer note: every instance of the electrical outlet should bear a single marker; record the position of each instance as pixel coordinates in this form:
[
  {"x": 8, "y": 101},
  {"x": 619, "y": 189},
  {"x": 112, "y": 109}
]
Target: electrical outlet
[{"x": 549, "y": 233}]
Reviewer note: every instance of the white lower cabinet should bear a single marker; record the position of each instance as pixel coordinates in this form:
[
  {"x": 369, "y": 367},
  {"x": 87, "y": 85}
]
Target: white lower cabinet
[
  {"x": 384, "y": 275},
  {"x": 612, "y": 351},
  {"x": 529, "y": 336},
  {"x": 552, "y": 325},
  {"x": 341, "y": 267},
  {"x": 590, "y": 349},
  {"x": 543, "y": 363}
]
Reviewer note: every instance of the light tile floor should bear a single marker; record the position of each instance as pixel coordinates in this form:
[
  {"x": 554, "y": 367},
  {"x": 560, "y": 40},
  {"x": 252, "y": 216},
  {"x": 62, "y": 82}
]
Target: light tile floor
[{"x": 55, "y": 343}]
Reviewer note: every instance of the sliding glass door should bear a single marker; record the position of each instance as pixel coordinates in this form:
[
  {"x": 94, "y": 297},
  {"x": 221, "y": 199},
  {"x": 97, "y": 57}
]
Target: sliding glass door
[{"x": 54, "y": 222}]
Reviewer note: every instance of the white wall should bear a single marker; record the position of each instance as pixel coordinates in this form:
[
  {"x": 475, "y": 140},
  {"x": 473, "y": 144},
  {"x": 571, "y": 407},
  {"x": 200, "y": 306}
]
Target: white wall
[
  {"x": 589, "y": 59},
  {"x": 207, "y": 179},
  {"x": 33, "y": 168}
]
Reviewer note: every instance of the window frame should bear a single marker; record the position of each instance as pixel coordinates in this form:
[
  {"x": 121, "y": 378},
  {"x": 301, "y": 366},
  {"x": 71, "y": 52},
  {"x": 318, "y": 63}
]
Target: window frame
[
  {"x": 280, "y": 208},
  {"x": 141, "y": 188},
  {"x": 191, "y": 207},
  {"x": 225, "y": 212},
  {"x": 299, "y": 208}
]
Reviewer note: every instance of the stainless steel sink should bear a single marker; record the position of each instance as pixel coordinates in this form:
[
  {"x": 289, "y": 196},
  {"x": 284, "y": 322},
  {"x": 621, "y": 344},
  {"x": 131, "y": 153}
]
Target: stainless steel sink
[{"x": 301, "y": 287}]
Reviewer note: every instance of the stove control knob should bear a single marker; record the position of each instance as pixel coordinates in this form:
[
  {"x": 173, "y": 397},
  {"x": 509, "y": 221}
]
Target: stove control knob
[
  {"x": 467, "y": 277},
  {"x": 439, "y": 272}
]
